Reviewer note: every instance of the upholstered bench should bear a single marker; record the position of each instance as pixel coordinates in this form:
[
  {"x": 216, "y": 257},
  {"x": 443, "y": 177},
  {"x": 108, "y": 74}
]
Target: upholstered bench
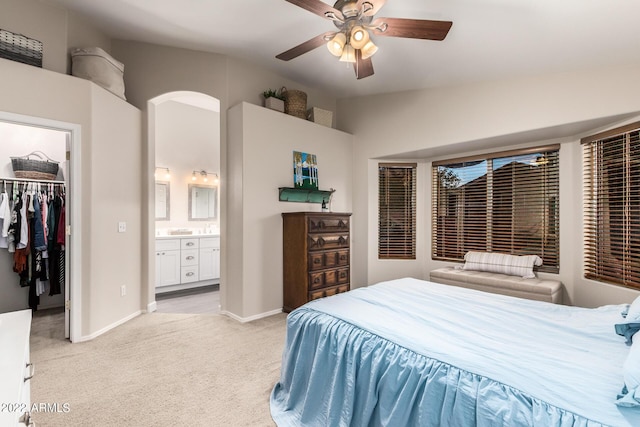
[{"x": 535, "y": 288}]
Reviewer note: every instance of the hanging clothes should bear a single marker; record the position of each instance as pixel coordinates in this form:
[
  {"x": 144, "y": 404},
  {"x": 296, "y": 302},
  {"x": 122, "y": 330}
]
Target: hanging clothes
[
  {"x": 5, "y": 218},
  {"x": 22, "y": 240},
  {"x": 56, "y": 249},
  {"x": 24, "y": 222},
  {"x": 32, "y": 228},
  {"x": 39, "y": 239}
]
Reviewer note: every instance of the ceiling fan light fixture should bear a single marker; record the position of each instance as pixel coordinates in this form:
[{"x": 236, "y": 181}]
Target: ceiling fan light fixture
[
  {"x": 359, "y": 37},
  {"x": 350, "y": 9},
  {"x": 348, "y": 54},
  {"x": 368, "y": 50},
  {"x": 336, "y": 44}
]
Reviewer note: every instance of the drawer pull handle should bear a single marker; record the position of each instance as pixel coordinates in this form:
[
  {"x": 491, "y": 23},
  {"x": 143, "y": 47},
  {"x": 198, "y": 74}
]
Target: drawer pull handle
[
  {"x": 190, "y": 257},
  {"x": 317, "y": 261},
  {"x": 316, "y": 280},
  {"x": 190, "y": 243},
  {"x": 32, "y": 371},
  {"x": 189, "y": 274}
]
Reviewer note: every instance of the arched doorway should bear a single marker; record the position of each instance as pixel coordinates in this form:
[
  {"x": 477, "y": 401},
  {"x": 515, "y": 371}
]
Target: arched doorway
[{"x": 183, "y": 166}]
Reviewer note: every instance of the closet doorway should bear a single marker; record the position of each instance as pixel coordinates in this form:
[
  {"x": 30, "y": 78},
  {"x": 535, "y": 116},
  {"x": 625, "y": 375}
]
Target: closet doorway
[
  {"x": 184, "y": 205},
  {"x": 36, "y": 258}
]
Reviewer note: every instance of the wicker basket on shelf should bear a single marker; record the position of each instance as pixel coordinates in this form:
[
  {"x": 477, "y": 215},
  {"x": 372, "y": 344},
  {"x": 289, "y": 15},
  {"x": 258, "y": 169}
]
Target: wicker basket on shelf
[
  {"x": 17, "y": 47},
  {"x": 295, "y": 102},
  {"x": 43, "y": 168}
]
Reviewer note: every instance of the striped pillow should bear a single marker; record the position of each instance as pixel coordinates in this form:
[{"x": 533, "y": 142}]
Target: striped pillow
[{"x": 514, "y": 265}]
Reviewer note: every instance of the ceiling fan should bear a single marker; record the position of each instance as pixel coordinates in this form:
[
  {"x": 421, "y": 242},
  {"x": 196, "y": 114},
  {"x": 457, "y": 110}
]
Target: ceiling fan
[{"x": 355, "y": 21}]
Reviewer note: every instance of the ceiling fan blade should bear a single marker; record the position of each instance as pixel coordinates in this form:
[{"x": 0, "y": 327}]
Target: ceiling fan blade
[
  {"x": 305, "y": 47},
  {"x": 319, "y": 8},
  {"x": 373, "y": 7},
  {"x": 362, "y": 67},
  {"x": 411, "y": 28}
]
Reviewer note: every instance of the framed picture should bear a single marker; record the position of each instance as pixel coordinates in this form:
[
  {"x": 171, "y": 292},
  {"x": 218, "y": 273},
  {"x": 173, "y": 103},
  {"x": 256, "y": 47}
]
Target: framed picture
[{"x": 305, "y": 170}]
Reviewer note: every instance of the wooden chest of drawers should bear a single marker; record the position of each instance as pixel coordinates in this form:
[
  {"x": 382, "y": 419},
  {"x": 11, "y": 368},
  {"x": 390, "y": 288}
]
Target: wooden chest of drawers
[{"x": 316, "y": 256}]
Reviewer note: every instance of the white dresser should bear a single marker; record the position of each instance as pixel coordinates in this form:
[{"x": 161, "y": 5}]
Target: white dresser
[
  {"x": 185, "y": 262},
  {"x": 16, "y": 369}
]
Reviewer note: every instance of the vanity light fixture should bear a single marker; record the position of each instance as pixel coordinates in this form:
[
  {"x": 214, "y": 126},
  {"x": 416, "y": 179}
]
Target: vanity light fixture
[
  {"x": 167, "y": 173},
  {"x": 205, "y": 176}
]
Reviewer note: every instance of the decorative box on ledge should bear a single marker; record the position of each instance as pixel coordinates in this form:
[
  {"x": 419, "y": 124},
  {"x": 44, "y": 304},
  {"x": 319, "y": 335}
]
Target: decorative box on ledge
[
  {"x": 320, "y": 116},
  {"x": 303, "y": 195}
]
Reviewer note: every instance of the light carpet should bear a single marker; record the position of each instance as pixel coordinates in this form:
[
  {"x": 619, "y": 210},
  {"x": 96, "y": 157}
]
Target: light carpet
[{"x": 159, "y": 369}]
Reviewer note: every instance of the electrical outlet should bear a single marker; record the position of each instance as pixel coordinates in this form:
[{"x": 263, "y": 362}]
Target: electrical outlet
[
  {"x": 122, "y": 227},
  {"x": 123, "y": 290}
]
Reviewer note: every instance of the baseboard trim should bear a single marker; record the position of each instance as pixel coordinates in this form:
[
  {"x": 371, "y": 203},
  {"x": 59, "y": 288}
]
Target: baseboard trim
[
  {"x": 251, "y": 318},
  {"x": 152, "y": 306},
  {"x": 108, "y": 328}
]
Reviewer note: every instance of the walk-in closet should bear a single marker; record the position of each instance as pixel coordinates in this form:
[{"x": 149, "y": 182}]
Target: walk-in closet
[{"x": 33, "y": 221}]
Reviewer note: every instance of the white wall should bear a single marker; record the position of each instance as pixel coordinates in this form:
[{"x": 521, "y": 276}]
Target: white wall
[
  {"x": 110, "y": 179},
  {"x": 187, "y": 139},
  {"x": 454, "y": 121},
  {"x": 40, "y": 21},
  {"x": 153, "y": 70},
  {"x": 57, "y": 29},
  {"x": 114, "y": 196},
  {"x": 261, "y": 148}
]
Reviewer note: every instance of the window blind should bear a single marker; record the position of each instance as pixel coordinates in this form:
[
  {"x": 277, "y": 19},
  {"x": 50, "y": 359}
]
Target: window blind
[
  {"x": 611, "y": 173},
  {"x": 504, "y": 202},
  {"x": 397, "y": 210}
]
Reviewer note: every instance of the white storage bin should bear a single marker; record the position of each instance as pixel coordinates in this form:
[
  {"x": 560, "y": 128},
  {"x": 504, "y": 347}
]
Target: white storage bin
[
  {"x": 93, "y": 63},
  {"x": 320, "y": 116}
]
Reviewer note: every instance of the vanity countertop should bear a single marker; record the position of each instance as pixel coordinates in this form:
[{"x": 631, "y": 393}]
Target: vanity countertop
[{"x": 186, "y": 236}]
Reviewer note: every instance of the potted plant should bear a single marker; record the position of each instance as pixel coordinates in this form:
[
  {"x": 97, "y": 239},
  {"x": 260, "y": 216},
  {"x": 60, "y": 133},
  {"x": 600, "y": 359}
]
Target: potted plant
[{"x": 273, "y": 100}]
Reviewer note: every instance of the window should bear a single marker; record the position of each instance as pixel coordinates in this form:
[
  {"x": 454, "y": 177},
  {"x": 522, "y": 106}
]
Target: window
[
  {"x": 397, "y": 211},
  {"x": 504, "y": 202},
  {"x": 612, "y": 206}
]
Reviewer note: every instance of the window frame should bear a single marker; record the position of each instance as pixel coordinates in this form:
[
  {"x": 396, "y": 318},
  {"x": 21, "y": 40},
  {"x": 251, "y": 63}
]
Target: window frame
[
  {"x": 611, "y": 199},
  {"x": 550, "y": 234},
  {"x": 397, "y": 249}
]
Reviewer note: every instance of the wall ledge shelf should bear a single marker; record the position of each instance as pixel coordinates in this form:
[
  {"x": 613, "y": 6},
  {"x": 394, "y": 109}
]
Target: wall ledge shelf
[{"x": 304, "y": 195}]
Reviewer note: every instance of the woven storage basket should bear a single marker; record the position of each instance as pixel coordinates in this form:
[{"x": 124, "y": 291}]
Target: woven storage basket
[
  {"x": 17, "y": 47},
  {"x": 295, "y": 102},
  {"x": 25, "y": 167}
]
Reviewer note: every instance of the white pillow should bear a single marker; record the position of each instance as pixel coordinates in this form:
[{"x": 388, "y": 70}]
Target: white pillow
[
  {"x": 514, "y": 265},
  {"x": 633, "y": 313},
  {"x": 630, "y": 396}
]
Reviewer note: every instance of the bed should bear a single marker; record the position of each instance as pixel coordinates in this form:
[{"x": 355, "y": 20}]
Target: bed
[{"x": 409, "y": 352}]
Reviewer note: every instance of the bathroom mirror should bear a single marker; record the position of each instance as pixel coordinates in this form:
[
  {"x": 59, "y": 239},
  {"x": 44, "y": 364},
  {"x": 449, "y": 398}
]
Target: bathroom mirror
[
  {"x": 162, "y": 201},
  {"x": 202, "y": 202}
]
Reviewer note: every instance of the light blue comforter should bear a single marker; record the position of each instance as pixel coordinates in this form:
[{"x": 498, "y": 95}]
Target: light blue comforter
[{"x": 415, "y": 353}]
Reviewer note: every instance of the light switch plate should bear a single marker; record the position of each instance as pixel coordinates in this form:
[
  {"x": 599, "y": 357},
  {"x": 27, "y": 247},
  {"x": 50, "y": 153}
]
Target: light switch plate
[{"x": 122, "y": 227}]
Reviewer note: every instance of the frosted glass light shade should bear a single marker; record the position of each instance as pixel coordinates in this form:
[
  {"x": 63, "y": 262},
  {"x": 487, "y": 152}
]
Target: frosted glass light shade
[
  {"x": 359, "y": 37},
  {"x": 348, "y": 54},
  {"x": 336, "y": 44},
  {"x": 368, "y": 50}
]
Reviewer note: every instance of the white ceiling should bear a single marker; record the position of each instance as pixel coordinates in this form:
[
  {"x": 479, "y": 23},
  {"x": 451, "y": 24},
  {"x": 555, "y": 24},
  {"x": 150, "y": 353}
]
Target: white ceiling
[{"x": 489, "y": 39}]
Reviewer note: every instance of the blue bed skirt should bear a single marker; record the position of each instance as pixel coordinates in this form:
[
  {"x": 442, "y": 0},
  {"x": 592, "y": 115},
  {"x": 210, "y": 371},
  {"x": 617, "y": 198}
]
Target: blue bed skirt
[{"x": 337, "y": 373}]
